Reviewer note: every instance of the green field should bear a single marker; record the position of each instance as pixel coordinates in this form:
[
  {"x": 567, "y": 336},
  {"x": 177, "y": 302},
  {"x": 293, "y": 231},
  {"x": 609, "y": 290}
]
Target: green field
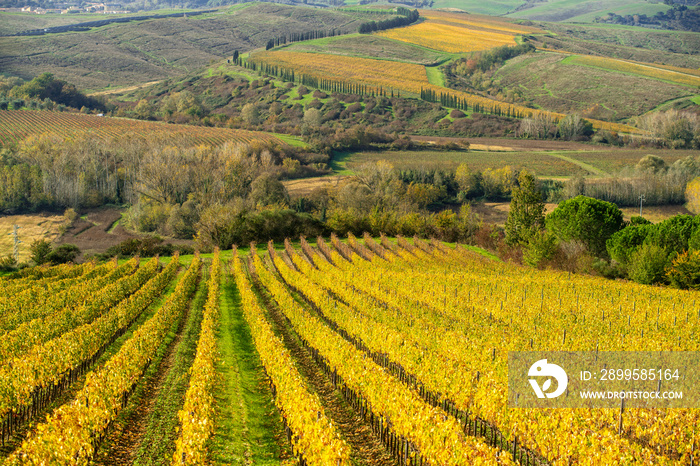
[
  {"x": 485, "y": 8},
  {"x": 554, "y": 164},
  {"x": 580, "y": 11},
  {"x": 547, "y": 81},
  {"x": 126, "y": 54},
  {"x": 584, "y": 11},
  {"x": 367, "y": 46},
  {"x": 677, "y": 48}
]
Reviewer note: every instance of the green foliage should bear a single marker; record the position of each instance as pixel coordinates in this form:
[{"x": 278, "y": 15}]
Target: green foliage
[
  {"x": 229, "y": 224},
  {"x": 268, "y": 190},
  {"x": 694, "y": 240},
  {"x": 637, "y": 220},
  {"x": 406, "y": 17},
  {"x": 486, "y": 60},
  {"x": 182, "y": 220},
  {"x": 526, "y": 215},
  {"x": 573, "y": 127},
  {"x": 684, "y": 271},
  {"x": 8, "y": 263},
  {"x": 144, "y": 247},
  {"x": 21, "y": 188},
  {"x": 63, "y": 254},
  {"x": 446, "y": 225},
  {"x": 541, "y": 246},
  {"x": 673, "y": 234},
  {"x": 587, "y": 220},
  {"x": 647, "y": 264},
  {"x": 148, "y": 215},
  {"x": 40, "y": 250},
  {"x": 46, "y": 86},
  {"x": 651, "y": 163},
  {"x": 623, "y": 243},
  {"x": 497, "y": 184}
]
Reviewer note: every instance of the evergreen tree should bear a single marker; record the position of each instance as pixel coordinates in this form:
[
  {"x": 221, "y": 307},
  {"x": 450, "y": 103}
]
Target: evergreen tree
[{"x": 526, "y": 216}]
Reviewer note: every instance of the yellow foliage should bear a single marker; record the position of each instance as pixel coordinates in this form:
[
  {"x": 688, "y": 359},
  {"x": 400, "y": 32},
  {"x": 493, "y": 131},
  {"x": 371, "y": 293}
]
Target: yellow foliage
[
  {"x": 16, "y": 125},
  {"x": 449, "y": 38},
  {"x": 478, "y": 21},
  {"x": 692, "y": 196}
]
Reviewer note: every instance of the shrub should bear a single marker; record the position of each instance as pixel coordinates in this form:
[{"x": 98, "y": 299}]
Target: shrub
[
  {"x": 144, "y": 247},
  {"x": 40, "y": 250},
  {"x": 623, "y": 243},
  {"x": 540, "y": 247},
  {"x": 148, "y": 215},
  {"x": 673, "y": 234},
  {"x": 587, "y": 220},
  {"x": 63, "y": 254},
  {"x": 8, "y": 263},
  {"x": 182, "y": 220},
  {"x": 684, "y": 271},
  {"x": 647, "y": 264},
  {"x": 526, "y": 214}
]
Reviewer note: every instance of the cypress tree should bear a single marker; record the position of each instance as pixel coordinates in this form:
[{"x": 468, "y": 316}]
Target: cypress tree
[{"x": 526, "y": 215}]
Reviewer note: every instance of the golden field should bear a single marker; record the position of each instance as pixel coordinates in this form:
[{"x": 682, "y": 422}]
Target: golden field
[
  {"x": 458, "y": 32},
  {"x": 16, "y": 125},
  {"x": 406, "y": 77},
  {"x": 477, "y": 22},
  {"x": 31, "y": 228},
  {"x": 449, "y": 38}
]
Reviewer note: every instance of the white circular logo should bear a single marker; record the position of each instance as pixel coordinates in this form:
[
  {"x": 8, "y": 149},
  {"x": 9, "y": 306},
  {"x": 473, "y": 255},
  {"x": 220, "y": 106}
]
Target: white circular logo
[{"x": 542, "y": 369}]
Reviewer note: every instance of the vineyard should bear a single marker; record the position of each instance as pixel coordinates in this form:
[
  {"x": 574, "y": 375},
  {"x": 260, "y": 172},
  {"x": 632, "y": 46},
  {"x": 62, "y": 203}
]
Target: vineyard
[
  {"x": 479, "y": 22},
  {"x": 458, "y": 33},
  {"x": 411, "y": 337},
  {"x": 16, "y": 125},
  {"x": 687, "y": 77},
  {"x": 449, "y": 38},
  {"x": 394, "y": 76}
]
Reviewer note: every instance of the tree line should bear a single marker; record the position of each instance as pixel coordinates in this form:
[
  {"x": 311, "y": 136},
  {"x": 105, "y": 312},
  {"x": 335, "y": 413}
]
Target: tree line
[
  {"x": 301, "y": 36},
  {"x": 329, "y": 85},
  {"x": 449, "y": 100},
  {"x": 47, "y": 87},
  {"x": 589, "y": 235},
  {"x": 406, "y": 17},
  {"x": 678, "y": 17}
]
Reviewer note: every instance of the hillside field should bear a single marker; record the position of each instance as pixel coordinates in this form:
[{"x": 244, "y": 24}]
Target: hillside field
[
  {"x": 589, "y": 162},
  {"x": 17, "y": 125},
  {"x": 120, "y": 55},
  {"x": 332, "y": 352}
]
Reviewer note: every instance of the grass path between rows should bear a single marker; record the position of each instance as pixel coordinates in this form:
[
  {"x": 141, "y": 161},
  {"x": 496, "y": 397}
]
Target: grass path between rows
[
  {"x": 134, "y": 422},
  {"x": 588, "y": 167},
  {"x": 248, "y": 427},
  {"x": 69, "y": 395},
  {"x": 365, "y": 448},
  {"x": 158, "y": 443}
]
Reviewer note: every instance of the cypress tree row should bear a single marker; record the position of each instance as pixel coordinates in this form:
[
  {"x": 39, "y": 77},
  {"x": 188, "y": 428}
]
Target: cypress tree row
[
  {"x": 329, "y": 85},
  {"x": 301, "y": 36},
  {"x": 460, "y": 103},
  {"x": 405, "y": 18}
]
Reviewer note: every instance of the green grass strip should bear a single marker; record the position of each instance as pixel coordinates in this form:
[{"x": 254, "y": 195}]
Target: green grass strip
[
  {"x": 248, "y": 425},
  {"x": 158, "y": 443},
  {"x": 590, "y": 168}
]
